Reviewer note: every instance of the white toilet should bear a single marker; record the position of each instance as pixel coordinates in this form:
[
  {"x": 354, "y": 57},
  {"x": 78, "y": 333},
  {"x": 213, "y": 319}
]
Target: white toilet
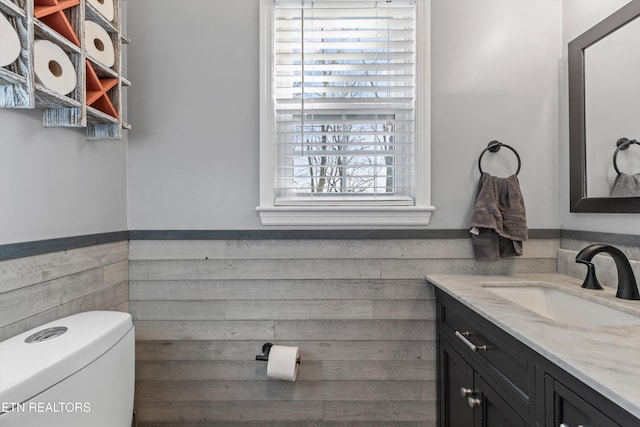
[{"x": 74, "y": 372}]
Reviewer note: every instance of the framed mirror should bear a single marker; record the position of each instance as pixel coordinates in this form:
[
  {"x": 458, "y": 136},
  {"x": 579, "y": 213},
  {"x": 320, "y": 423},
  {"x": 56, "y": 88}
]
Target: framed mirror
[{"x": 604, "y": 108}]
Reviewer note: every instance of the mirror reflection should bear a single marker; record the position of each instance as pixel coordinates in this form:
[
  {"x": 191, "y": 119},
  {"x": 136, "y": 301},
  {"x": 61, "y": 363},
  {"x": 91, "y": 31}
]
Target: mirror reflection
[
  {"x": 603, "y": 109},
  {"x": 612, "y": 113}
]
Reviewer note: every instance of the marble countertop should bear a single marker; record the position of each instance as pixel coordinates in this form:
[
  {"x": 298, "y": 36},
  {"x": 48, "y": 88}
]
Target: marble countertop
[{"x": 607, "y": 358}]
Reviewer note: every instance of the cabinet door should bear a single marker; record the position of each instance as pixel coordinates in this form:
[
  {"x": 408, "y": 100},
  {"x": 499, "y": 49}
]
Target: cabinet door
[
  {"x": 466, "y": 400},
  {"x": 570, "y": 410},
  {"x": 495, "y": 410},
  {"x": 455, "y": 376}
]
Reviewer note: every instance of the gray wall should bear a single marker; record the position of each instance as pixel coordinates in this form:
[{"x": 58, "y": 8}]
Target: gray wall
[
  {"x": 54, "y": 183},
  {"x": 359, "y": 310},
  {"x": 190, "y": 123},
  {"x": 495, "y": 69},
  {"x": 495, "y": 76}
]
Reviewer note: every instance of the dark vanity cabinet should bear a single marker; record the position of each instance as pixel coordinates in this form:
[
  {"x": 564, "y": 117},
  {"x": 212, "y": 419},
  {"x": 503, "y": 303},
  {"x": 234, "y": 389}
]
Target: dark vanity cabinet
[{"x": 487, "y": 378}]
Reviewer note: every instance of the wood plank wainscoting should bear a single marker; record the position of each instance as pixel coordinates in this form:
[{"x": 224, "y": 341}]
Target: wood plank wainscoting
[
  {"x": 359, "y": 310},
  {"x": 40, "y": 288}
]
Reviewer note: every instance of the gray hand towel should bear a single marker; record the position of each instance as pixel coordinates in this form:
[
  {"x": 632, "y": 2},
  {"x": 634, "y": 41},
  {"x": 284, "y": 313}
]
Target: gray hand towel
[
  {"x": 499, "y": 218},
  {"x": 626, "y": 186}
]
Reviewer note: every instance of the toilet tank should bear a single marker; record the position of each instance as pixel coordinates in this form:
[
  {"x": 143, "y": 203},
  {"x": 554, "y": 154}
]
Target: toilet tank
[{"x": 75, "y": 371}]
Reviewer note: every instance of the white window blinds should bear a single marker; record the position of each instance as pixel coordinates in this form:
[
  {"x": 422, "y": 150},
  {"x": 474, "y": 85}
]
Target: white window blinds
[{"x": 344, "y": 101}]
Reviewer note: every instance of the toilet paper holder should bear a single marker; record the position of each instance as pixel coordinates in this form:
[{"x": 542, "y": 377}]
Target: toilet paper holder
[{"x": 266, "y": 348}]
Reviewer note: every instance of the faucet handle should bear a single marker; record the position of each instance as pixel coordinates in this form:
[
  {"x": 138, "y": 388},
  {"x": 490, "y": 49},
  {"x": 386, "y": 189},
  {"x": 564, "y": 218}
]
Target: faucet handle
[{"x": 590, "y": 281}]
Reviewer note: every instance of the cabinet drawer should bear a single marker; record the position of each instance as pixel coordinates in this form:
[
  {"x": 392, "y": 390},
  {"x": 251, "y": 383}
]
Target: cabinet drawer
[{"x": 495, "y": 352}]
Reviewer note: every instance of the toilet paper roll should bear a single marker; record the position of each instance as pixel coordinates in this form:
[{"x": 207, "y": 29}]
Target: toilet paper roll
[
  {"x": 9, "y": 42},
  {"x": 98, "y": 44},
  {"x": 53, "y": 68},
  {"x": 105, "y": 7},
  {"x": 282, "y": 362}
]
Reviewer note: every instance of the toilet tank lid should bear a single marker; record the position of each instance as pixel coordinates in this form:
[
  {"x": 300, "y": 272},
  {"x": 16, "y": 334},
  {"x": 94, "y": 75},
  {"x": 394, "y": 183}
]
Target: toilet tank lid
[{"x": 27, "y": 369}]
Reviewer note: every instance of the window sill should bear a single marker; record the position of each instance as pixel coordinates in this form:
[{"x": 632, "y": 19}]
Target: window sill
[{"x": 405, "y": 216}]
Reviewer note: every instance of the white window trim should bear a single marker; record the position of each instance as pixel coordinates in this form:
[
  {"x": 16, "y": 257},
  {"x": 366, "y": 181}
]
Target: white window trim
[{"x": 355, "y": 215}]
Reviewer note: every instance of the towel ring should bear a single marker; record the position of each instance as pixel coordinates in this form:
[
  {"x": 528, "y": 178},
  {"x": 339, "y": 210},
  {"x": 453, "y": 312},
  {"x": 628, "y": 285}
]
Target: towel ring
[
  {"x": 494, "y": 147},
  {"x": 623, "y": 144}
]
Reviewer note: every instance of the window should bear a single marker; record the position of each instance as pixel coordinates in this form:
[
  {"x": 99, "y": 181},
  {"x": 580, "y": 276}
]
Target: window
[{"x": 344, "y": 113}]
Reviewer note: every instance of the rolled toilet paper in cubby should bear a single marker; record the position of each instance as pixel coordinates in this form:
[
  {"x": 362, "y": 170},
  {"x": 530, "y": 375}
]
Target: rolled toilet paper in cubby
[
  {"x": 283, "y": 362},
  {"x": 105, "y": 7},
  {"x": 9, "y": 42},
  {"x": 53, "y": 68},
  {"x": 98, "y": 44}
]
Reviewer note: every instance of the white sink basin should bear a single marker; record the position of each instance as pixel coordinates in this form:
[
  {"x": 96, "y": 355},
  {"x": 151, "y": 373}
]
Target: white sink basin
[{"x": 563, "y": 307}]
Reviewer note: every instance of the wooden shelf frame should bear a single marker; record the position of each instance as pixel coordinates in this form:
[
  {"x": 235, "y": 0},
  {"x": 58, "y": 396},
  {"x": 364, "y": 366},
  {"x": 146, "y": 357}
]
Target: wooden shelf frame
[
  {"x": 16, "y": 79},
  {"x": 96, "y": 102}
]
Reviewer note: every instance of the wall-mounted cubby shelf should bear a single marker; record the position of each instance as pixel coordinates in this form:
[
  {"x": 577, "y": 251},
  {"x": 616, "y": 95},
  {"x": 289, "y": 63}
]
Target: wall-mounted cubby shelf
[{"x": 72, "y": 46}]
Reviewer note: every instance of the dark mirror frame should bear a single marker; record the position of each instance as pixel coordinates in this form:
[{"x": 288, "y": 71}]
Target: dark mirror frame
[{"x": 580, "y": 202}]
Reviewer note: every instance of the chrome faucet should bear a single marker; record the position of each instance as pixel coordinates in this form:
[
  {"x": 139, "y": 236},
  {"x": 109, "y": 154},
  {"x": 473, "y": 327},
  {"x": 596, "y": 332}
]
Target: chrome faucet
[{"x": 627, "y": 286}]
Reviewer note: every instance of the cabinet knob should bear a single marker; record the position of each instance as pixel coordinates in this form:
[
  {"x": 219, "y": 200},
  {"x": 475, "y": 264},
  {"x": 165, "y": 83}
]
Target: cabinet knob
[
  {"x": 465, "y": 392},
  {"x": 474, "y": 402}
]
